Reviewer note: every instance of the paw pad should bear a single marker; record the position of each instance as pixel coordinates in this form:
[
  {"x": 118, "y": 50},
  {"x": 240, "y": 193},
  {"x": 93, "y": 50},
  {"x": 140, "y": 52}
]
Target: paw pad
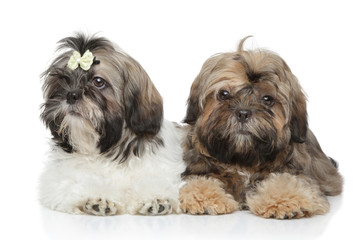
[
  {"x": 100, "y": 207},
  {"x": 156, "y": 207}
]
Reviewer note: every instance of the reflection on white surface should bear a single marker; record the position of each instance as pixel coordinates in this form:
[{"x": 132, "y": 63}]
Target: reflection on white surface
[{"x": 233, "y": 226}]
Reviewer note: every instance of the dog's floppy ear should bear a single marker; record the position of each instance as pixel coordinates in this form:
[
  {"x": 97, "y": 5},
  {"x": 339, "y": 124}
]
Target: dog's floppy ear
[
  {"x": 193, "y": 109},
  {"x": 298, "y": 121},
  {"x": 143, "y": 103},
  {"x": 194, "y": 104}
]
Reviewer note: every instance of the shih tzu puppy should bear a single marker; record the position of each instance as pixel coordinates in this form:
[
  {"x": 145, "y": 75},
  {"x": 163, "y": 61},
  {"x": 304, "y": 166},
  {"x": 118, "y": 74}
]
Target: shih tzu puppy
[
  {"x": 112, "y": 151},
  {"x": 248, "y": 145}
]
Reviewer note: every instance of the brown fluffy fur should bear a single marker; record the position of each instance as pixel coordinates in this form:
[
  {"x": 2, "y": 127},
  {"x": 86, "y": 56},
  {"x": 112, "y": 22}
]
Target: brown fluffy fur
[
  {"x": 252, "y": 154},
  {"x": 206, "y": 196},
  {"x": 283, "y": 195}
]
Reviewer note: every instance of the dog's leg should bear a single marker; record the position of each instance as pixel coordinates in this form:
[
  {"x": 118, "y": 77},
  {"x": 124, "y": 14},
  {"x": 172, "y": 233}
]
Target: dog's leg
[
  {"x": 286, "y": 196},
  {"x": 65, "y": 189},
  {"x": 151, "y": 196},
  {"x": 203, "y": 195}
]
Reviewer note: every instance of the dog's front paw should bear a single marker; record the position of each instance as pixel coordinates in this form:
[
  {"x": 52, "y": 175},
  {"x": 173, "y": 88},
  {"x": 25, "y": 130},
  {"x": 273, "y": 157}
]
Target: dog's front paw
[
  {"x": 100, "y": 207},
  {"x": 285, "y": 196},
  {"x": 156, "y": 207},
  {"x": 206, "y": 196}
]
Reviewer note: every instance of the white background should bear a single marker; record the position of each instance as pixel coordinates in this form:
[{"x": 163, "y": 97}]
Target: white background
[{"x": 171, "y": 39}]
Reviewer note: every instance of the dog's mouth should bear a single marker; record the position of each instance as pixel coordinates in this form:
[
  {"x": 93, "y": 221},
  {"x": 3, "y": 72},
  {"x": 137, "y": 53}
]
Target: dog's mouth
[
  {"x": 74, "y": 113},
  {"x": 243, "y": 132},
  {"x": 242, "y": 129}
]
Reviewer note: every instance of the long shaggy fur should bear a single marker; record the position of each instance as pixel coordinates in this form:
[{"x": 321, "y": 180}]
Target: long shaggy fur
[
  {"x": 247, "y": 117},
  {"x": 112, "y": 152}
]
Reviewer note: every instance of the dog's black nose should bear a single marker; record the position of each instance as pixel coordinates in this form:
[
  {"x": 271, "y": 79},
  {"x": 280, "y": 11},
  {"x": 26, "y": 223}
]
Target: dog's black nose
[
  {"x": 73, "y": 96},
  {"x": 243, "y": 115}
]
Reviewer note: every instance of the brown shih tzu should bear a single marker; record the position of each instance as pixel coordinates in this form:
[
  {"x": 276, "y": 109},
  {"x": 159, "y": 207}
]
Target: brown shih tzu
[{"x": 248, "y": 144}]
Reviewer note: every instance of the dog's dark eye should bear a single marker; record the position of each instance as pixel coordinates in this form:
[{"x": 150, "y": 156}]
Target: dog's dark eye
[
  {"x": 268, "y": 100},
  {"x": 99, "y": 82},
  {"x": 223, "y": 95}
]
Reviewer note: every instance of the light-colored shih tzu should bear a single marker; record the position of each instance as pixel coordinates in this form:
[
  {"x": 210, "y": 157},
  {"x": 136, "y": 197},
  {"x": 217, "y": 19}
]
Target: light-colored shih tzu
[
  {"x": 112, "y": 152},
  {"x": 248, "y": 144}
]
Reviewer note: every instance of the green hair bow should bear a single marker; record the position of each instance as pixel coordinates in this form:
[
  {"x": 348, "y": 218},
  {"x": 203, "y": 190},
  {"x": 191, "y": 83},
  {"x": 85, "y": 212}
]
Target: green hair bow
[{"x": 85, "y": 61}]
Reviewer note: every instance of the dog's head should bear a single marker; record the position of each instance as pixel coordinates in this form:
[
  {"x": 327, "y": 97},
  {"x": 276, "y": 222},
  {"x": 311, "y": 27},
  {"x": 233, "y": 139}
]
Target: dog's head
[
  {"x": 244, "y": 104},
  {"x": 105, "y": 105}
]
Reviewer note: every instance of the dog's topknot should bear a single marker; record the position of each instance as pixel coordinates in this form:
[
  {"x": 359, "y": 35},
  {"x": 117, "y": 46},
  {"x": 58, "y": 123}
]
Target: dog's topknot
[
  {"x": 241, "y": 44},
  {"x": 80, "y": 42}
]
